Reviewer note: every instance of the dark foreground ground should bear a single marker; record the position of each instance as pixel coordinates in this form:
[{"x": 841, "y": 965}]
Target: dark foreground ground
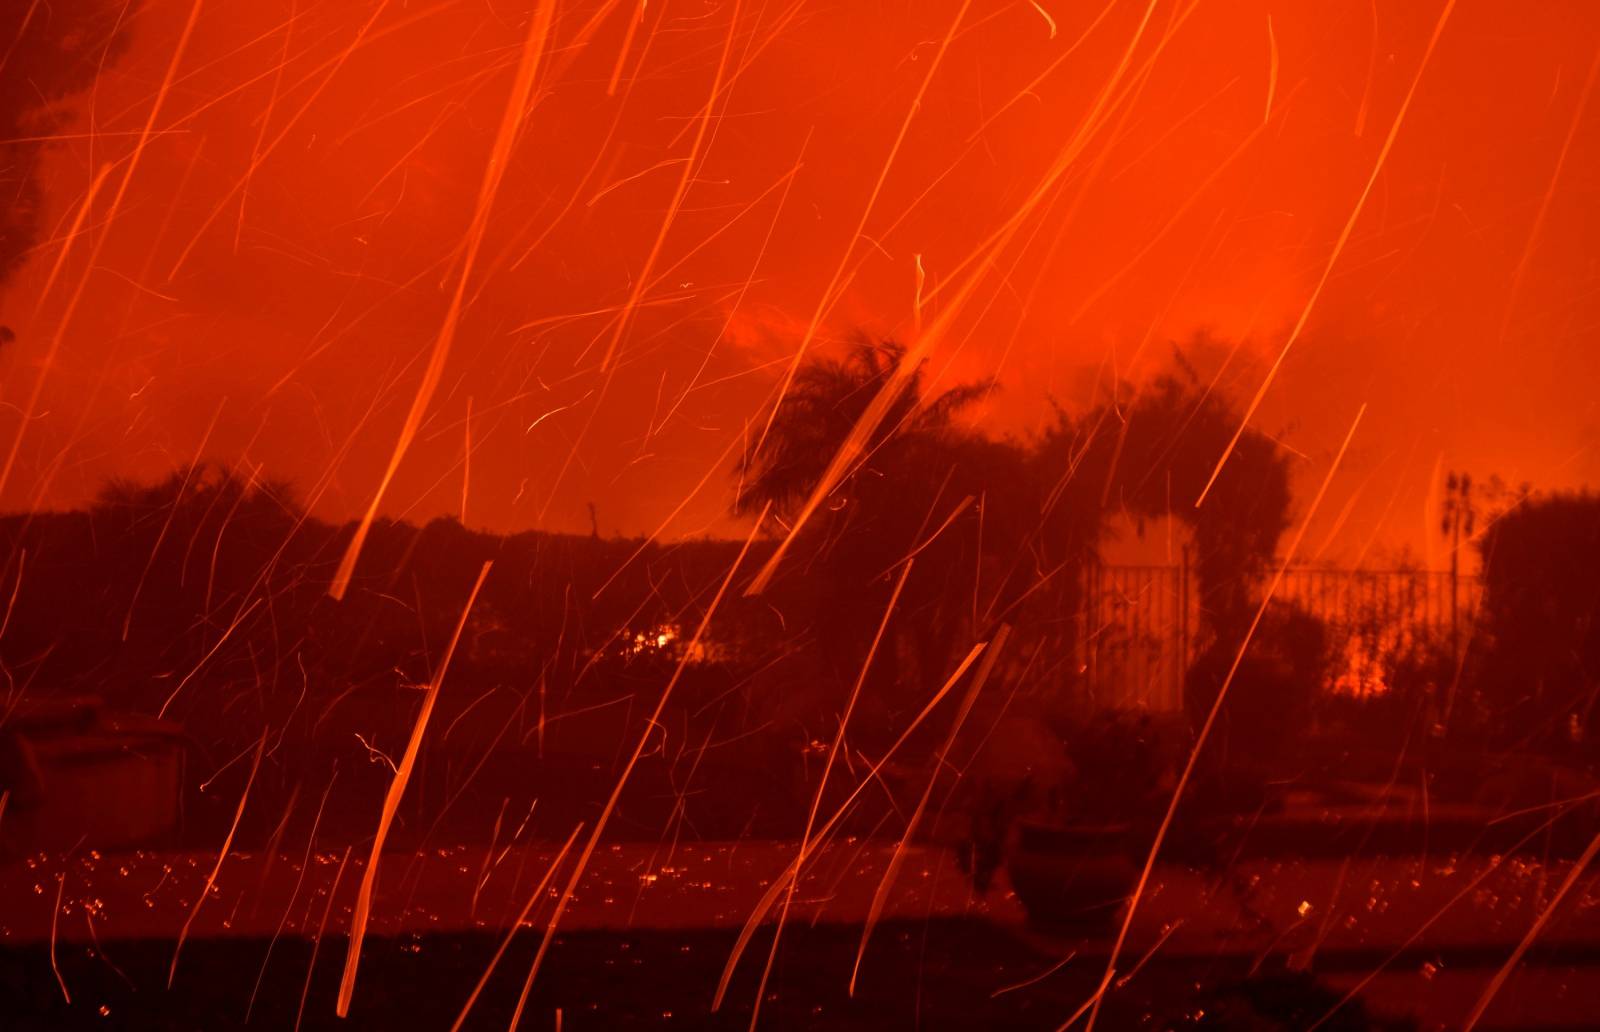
[
  {"x": 87, "y": 940},
  {"x": 943, "y": 974}
]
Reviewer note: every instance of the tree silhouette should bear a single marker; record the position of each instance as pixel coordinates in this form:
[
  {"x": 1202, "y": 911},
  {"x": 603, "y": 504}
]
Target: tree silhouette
[
  {"x": 1042, "y": 507},
  {"x": 825, "y": 401},
  {"x": 1541, "y": 613},
  {"x": 924, "y": 484},
  {"x": 1149, "y": 454}
]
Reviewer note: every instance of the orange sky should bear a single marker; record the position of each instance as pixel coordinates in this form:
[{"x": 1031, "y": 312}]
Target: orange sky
[{"x": 267, "y": 286}]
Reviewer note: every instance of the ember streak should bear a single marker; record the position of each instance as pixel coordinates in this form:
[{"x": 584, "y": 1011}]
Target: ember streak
[{"x": 595, "y": 514}]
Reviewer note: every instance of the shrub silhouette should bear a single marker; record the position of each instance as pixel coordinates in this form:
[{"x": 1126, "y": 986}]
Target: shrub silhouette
[{"x": 1541, "y": 618}]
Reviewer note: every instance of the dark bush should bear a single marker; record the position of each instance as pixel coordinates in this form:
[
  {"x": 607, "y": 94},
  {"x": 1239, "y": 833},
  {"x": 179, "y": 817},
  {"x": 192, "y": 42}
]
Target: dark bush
[
  {"x": 1267, "y": 711},
  {"x": 1541, "y": 621}
]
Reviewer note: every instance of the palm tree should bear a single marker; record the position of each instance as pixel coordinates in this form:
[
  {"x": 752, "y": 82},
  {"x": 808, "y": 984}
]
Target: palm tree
[
  {"x": 924, "y": 483},
  {"x": 825, "y": 401}
]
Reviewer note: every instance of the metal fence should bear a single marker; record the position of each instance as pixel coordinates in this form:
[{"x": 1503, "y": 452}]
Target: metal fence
[
  {"x": 1139, "y": 626},
  {"x": 1136, "y": 635}
]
